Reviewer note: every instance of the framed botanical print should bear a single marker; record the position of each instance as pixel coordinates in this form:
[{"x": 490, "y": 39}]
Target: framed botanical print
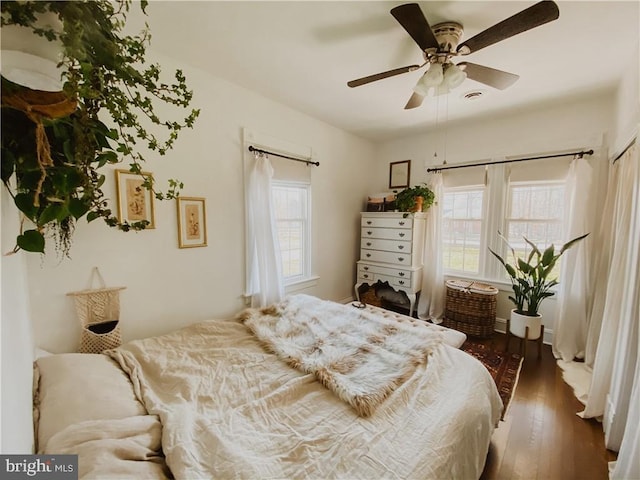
[
  {"x": 399, "y": 174},
  {"x": 135, "y": 202},
  {"x": 192, "y": 224}
]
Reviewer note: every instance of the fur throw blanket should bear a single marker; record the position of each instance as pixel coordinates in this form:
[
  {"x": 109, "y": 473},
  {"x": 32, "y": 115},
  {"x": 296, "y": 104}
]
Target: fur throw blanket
[{"x": 360, "y": 355}]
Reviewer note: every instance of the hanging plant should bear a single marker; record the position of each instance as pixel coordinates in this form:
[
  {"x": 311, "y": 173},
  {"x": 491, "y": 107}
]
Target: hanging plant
[{"x": 55, "y": 143}]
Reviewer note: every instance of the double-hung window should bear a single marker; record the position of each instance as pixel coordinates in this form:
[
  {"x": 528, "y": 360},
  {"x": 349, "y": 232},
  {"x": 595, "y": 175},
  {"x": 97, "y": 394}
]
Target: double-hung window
[
  {"x": 535, "y": 211},
  {"x": 292, "y": 215},
  {"x": 522, "y": 201},
  {"x": 462, "y": 229}
]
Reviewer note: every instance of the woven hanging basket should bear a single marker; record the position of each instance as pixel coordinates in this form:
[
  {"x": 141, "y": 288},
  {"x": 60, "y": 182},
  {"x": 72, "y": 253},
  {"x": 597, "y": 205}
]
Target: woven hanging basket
[
  {"x": 39, "y": 102},
  {"x": 99, "y": 313}
]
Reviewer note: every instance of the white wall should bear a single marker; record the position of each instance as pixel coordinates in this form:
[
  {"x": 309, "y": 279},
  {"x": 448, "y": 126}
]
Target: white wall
[
  {"x": 169, "y": 287},
  {"x": 549, "y": 128},
  {"x": 17, "y": 342},
  {"x": 627, "y": 106}
]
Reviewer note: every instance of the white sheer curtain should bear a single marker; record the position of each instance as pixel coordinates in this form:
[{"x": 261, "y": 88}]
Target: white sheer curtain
[
  {"x": 614, "y": 392},
  {"x": 431, "y": 304},
  {"x": 264, "y": 276},
  {"x": 570, "y": 330}
]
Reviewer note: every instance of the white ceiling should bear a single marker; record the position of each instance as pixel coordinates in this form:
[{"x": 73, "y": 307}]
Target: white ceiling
[{"x": 302, "y": 54}]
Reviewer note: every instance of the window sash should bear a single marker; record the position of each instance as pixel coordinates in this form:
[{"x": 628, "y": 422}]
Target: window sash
[{"x": 294, "y": 221}]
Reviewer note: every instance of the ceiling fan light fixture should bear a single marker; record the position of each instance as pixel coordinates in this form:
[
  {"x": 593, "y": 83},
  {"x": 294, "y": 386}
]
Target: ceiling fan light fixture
[
  {"x": 454, "y": 76},
  {"x": 431, "y": 78}
]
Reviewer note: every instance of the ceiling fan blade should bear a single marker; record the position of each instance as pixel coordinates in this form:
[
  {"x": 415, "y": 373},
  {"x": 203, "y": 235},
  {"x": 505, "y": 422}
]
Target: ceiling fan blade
[
  {"x": 489, "y": 76},
  {"x": 534, "y": 16},
  {"x": 415, "y": 101},
  {"x": 382, "y": 75},
  {"x": 415, "y": 23}
]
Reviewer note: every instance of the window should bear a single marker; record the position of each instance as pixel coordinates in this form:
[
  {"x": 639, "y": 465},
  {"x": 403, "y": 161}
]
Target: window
[
  {"x": 292, "y": 212},
  {"x": 535, "y": 211},
  {"x": 517, "y": 201},
  {"x": 462, "y": 228}
]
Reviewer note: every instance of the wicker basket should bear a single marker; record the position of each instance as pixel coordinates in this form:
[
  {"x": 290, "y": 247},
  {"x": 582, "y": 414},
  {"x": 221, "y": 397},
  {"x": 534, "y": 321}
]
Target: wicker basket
[{"x": 470, "y": 307}]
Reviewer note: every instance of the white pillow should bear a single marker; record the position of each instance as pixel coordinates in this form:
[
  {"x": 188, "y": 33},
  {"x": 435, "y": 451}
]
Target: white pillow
[{"x": 75, "y": 387}]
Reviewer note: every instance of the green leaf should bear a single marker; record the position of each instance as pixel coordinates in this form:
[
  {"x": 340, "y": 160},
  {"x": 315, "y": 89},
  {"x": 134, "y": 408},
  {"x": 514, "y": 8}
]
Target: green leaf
[
  {"x": 548, "y": 255},
  {"x": 91, "y": 216},
  {"x": 8, "y": 164},
  {"x": 67, "y": 147},
  {"x": 77, "y": 208},
  {"x": 53, "y": 211},
  {"x": 31, "y": 241},
  {"x": 24, "y": 202},
  {"x": 570, "y": 243}
]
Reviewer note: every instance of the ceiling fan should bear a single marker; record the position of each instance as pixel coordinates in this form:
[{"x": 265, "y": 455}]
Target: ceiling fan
[{"x": 440, "y": 43}]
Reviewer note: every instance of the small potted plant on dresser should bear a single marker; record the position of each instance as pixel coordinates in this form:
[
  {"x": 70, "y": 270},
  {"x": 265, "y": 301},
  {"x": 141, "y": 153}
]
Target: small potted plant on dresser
[
  {"x": 531, "y": 284},
  {"x": 415, "y": 199}
]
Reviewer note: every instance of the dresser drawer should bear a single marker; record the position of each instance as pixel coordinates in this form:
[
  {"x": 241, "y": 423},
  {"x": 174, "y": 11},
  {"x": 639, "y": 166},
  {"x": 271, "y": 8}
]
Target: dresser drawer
[
  {"x": 387, "y": 222},
  {"x": 386, "y": 245},
  {"x": 369, "y": 269},
  {"x": 387, "y": 233},
  {"x": 386, "y": 257}
]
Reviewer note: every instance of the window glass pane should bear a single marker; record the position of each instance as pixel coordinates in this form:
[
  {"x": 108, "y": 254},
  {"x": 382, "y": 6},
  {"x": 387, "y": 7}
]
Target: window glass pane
[
  {"x": 536, "y": 212},
  {"x": 461, "y": 229},
  {"x": 291, "y": 214}
]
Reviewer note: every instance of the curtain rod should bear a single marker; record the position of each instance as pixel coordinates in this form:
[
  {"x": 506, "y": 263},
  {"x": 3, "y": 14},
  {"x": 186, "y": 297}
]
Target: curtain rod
[
  {"x": 581, "y": 154},
  {"x": 624, "y": 150},
  {"x": 308, "y": 162}
]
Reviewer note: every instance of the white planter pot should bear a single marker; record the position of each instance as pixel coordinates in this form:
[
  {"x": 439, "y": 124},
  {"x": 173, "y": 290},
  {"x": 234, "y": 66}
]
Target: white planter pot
[{"x": 519, "y": 322}]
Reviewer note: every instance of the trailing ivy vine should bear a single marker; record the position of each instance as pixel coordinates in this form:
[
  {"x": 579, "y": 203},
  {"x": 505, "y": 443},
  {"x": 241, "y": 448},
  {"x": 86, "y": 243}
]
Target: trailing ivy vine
[{"x": 109, "y": 118}]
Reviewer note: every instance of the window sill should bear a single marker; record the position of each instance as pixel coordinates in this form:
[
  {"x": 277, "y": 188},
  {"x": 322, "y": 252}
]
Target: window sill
[{"x": 300, "y": 285}]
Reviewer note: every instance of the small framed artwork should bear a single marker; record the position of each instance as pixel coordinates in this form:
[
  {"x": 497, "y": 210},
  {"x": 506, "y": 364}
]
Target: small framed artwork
[
  {"x": 192, "y": 224},
  {"x": 135, "y": 202},
  {"x": 399, "y": 173}
]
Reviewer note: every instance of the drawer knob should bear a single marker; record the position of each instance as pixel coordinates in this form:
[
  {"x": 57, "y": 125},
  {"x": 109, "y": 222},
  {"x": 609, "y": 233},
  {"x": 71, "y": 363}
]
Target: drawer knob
[
  {"x": 400, "y": 223},
  {"x": 401, "y": 247},
  {"x": 401, "y": 274},
  {"x": 365, "y": 268},
  {"x": 366, "y": 275},
  {"x": 368, "y": 244},
  {"x": 401, "y": 259},
  {"x": 401, "y": 235},
  {"x": 367, "y": 255},
  {"x": 369, "y": 233},
  {"x": 401, "y": 282},
  {"x": 368, "y": 222}
]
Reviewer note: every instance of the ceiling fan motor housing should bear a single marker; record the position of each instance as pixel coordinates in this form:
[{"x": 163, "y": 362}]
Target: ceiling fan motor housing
[{"x": 448, "y": 35}]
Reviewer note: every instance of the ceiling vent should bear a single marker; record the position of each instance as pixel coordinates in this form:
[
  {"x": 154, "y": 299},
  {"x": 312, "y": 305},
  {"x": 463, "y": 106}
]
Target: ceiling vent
[{"x": 473, "y": 95}]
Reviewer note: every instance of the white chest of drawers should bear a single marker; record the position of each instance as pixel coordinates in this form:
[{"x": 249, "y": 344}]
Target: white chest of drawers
[{"x": 391, "y": 250}]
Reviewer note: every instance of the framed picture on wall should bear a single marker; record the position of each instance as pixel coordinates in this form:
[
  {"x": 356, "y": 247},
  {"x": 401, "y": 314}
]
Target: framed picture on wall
[
  {"x": 399, "y": 174},
  {"x": 135, "y": 202},
  {"x": 192, "y": 224}
]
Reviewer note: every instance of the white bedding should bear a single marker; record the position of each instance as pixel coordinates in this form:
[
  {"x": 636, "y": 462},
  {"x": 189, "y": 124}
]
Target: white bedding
[{"x": 229, "y": 409}]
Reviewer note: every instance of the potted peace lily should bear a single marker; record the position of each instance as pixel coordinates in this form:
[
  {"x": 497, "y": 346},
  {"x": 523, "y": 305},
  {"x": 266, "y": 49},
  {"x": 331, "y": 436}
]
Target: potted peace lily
[{"x": 531, "y": 284}]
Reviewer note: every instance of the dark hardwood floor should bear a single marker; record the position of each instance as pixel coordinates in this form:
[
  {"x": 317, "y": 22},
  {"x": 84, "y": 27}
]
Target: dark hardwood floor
[{"x": 541, "y": 436}]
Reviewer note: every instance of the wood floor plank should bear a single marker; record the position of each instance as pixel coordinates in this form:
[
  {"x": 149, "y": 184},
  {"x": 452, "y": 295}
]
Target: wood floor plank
[{"x": 541, "y": 436}]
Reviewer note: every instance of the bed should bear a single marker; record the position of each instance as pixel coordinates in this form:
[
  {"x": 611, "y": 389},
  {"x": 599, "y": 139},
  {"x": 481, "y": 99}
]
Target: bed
[{"x": 236, "y": 398}]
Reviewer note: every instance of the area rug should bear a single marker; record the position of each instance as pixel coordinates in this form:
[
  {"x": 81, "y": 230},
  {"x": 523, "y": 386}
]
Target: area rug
[{"x": 504, "y": 368}]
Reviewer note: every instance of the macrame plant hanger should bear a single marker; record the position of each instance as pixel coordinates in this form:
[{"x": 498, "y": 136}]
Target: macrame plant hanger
[{"x": 98, "y": 310}]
